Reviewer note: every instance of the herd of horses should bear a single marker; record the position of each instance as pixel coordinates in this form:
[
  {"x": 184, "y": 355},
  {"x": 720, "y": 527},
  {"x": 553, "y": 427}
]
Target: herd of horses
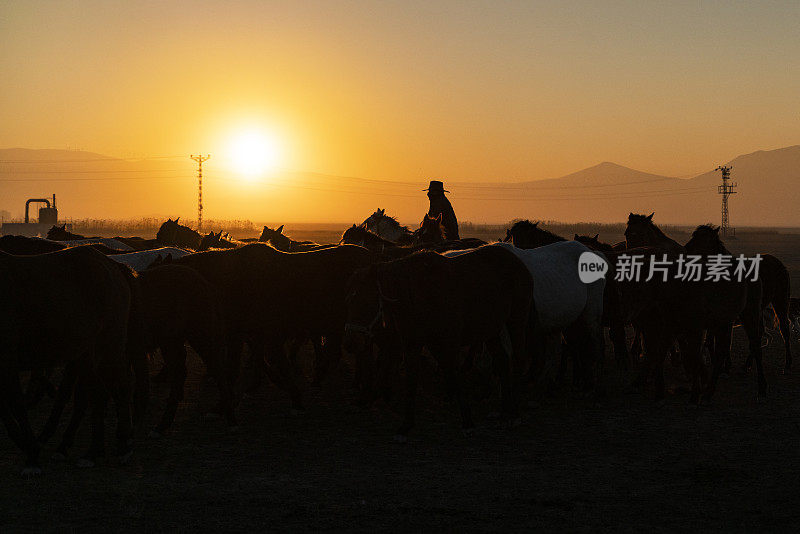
[{"x": 98, "y": 308}]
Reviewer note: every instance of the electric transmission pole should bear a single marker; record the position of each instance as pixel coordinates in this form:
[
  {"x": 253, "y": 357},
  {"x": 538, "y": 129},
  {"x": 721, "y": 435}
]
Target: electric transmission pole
[
  {"x": 726, "y": 190},
  {"x": 200, "y": 159}
]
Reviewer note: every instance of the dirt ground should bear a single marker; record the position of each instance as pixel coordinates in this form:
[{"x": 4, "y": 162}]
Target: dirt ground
[{"x": 577, "y": 465}]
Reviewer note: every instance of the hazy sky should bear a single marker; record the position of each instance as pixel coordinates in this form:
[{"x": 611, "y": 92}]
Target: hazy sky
[{"x": 408, "y": 90}]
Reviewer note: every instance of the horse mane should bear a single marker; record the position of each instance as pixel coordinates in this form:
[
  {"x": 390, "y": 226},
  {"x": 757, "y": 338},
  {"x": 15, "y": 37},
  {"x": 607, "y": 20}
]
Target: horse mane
[
  {"x": 380, "y": 215},
  {"x": 714, "y": 232},
  {"x": 359, "y": 233},
  {"x": 528, "y": 226},
  {"x": 593, "y": 241},
  {"x": 706, "y": 228}
]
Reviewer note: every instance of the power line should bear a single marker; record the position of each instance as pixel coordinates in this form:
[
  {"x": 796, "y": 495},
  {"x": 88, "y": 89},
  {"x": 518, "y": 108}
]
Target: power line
[
  {"x": 91, "y": 171},
  {"x": 107, "y": 160}
]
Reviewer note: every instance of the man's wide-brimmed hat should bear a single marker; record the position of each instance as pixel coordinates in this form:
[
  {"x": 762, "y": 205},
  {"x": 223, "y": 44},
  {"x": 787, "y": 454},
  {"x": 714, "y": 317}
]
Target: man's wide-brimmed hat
[{"x": 437, "y": 187}]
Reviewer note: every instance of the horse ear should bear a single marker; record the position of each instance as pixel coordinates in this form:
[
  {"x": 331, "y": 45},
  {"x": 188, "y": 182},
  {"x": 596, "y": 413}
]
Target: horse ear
[
  {"x": 64, "y": 226},
  {"x": 716, "y": 230},
  {"x": 280, "y": 229},
  {"x": 381, "y": 210},
  {"x": 650, "y": 217},
  {"x": 176, "y": 220},
  {"x": 596, "y": 237},
  {"x": 630, "y": 216}
]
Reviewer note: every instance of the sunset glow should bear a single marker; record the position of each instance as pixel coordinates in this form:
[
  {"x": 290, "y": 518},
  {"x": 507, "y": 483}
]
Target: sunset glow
[{"x": 252, "y": 153}]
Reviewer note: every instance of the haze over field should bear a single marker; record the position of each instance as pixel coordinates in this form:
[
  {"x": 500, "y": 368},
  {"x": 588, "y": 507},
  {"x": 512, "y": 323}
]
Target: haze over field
[
  {"x": 92, "y": 185},
  {"x": 324, "y": 111}
]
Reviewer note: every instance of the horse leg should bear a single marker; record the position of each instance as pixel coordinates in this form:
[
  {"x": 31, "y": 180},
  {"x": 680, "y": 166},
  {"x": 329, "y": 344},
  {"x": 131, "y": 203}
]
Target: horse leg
[
  {"x": 412, "y": 360},
  {"x": 502, "y": 366},
  {"x": 15, "y": 418},
  {"x": 256, "y": 367},
  {"x": 215, "y": 356},
  {"x": 692, "y": 353},
  {"x": 782, "y": 311},
  {"x": 754, "y": 326},
  {"x": 448, "y": 359},
  {"x": 119, "y": 386},
  {"x": 80, "y": 402},
  {"x": 617, "y": 334},
  {"x": 721, "y": 356},
  {"x": 365, "y": 375},
  {"x": 332, "y": 355},
  {"x": 63, "y": 395},
  {"x": 175, "y": 353},
  {"x": 38, "y": 386},
  {"x": 636, "y": 347},
  {"x": 98, "y": 399},
  {"x": 279, "y": 369}
]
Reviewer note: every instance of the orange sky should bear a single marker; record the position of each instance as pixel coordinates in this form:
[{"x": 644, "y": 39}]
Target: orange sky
[{"x": 405, "y": 90}]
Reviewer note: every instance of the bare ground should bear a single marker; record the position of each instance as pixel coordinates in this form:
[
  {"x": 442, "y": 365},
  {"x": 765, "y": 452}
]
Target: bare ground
[{"x": 575, "y": 465}]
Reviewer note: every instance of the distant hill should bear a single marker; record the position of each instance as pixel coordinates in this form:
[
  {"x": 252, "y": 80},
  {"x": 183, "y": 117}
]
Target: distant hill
[
  {"x": 94, "y": 185},
  {"x": 47, "y": 154}
]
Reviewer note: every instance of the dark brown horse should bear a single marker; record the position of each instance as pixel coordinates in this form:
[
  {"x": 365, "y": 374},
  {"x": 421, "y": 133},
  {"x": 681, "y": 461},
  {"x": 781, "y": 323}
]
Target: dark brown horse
[
  {"x": 774, "y": 281},
  {"x": 642, "y": 232},
  {"x": 179, "y": 307},
  {"x": 525, "y": 234},
  {"x": 173, "y": 234},
  {"x": 60, "y": 233},
  {"x": 83, "y": 300},
  {"x": 613, "y": 316},
  {"x": 431, "y": 231},
  {"x": 213, "y": 240},
  {"x": 270, "y": 298},
  {"x": 358, "y": 235},
  {"x": 682, "y": 309},
  {"x": 446, "y": 304},
  {"x": 28, "y": 246},
  {"x": 284, "y": 243}
]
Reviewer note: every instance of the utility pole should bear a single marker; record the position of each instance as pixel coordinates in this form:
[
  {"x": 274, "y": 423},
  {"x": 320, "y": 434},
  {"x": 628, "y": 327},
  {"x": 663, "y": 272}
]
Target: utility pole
[
  {"x": 200, "y": 159},
  {"x": 726, "y": 189}
]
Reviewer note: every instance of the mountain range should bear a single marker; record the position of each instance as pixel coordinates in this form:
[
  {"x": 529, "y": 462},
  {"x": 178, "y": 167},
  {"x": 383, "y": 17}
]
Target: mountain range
[{"x": 90, "y": 185}]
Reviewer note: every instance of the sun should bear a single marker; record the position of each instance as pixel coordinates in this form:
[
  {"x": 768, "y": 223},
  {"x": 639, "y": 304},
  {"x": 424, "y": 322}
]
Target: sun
[{"x": 253, "y": 153}]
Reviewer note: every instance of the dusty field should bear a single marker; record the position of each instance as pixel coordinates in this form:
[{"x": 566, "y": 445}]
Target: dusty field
[{"x": 621, "y": 464}]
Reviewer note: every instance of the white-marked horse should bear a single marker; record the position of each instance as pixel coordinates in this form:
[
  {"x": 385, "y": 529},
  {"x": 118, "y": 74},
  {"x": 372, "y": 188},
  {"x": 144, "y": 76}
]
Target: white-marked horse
[
  {"x": 141, "y": 260},
  {"x": 387, "y": 227},
  {"x": 562, "y": 303}
]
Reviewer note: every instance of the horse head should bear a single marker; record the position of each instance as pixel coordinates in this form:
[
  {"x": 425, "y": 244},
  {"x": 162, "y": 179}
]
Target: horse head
[
  {"x": 167, "y": 232},
  {"x": 57, "y": 233},
  {"x": 527, "y": 234},
  {"x": 432, "y": 230},
  {"x": 275, "y": 237},
  {"x": 705, "y": 240},
  {"x": 640, "y": 231}
]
